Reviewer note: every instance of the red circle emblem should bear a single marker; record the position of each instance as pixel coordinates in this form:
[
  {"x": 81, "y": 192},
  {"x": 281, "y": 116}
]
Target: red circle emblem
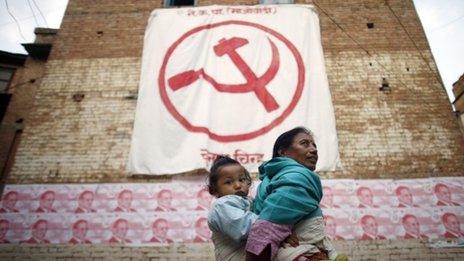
[{"x": 239, "y": 136}]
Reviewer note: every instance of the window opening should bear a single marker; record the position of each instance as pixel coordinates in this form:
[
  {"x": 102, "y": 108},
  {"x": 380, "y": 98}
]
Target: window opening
[
  {"x": 168, "y": 3},
  {"x": 269, "y": 2},
  {"x": 5, "y": 77}
]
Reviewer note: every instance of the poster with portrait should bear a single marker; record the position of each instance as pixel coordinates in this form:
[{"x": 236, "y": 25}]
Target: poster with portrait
[{"x": 176, "y": 211}]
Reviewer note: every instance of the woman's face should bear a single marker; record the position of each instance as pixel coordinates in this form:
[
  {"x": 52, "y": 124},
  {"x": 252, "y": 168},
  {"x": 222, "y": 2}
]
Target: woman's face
[{"x": 303, "y": 150}]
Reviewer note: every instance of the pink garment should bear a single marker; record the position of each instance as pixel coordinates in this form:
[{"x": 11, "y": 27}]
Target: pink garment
[{"x": 264, "y": 233}]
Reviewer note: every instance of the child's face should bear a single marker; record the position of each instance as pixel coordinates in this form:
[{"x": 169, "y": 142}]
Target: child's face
[{"x": 232, "y": 181}]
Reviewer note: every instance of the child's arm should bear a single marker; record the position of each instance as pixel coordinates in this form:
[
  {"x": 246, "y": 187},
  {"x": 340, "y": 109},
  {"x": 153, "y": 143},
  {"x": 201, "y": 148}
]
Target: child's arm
[
  {"x": 292, "y": 240},
  {"x": 231, "y": 216}
]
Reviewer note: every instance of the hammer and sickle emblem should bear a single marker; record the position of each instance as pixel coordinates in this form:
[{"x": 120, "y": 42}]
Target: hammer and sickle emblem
[{"x": 253, "y": 82}]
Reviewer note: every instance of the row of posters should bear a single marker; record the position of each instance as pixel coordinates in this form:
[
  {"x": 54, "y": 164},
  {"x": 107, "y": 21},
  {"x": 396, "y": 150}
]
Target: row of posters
[{"x": 177, "y": 211}]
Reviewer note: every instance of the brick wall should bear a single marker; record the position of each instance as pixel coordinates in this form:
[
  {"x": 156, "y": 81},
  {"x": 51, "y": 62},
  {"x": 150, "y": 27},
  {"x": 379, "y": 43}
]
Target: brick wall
[
  {"x": 23, "y": 88},
  {"x": 410, "y": 132},
  {"x": 355, "y": 250}
]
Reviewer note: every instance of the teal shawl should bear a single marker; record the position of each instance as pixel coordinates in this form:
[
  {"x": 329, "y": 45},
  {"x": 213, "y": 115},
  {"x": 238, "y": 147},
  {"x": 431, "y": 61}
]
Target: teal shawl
[{"x": 288, "y": 193}]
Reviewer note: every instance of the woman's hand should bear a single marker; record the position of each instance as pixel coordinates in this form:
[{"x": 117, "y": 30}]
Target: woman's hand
[{"x": 292, "y": 240}]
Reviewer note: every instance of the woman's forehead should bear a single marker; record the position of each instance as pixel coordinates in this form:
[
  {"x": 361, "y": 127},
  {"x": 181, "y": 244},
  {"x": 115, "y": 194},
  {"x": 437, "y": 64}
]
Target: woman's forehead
[{"x": 302, "y": 136}]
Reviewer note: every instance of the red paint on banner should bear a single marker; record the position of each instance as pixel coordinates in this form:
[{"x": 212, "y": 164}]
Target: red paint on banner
[{"x": 254, "y": 83}]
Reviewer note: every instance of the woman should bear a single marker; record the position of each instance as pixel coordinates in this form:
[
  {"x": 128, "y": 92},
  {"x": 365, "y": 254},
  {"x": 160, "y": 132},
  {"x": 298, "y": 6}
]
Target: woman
[{"x": 288, "y": 199}]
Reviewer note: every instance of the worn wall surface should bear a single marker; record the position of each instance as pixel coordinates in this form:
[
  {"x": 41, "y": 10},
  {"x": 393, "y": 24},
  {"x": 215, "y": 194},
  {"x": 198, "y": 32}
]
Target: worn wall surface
[
  {"x": 356, "y": 250},
  {"x": 409, "y": 132},
  {"x": 23, "y": 88}
]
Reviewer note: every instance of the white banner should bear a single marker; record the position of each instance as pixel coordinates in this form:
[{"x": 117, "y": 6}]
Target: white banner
[{"x": 229, "y": 80}]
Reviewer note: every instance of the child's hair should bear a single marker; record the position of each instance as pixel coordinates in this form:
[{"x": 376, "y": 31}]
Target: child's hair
[
  {"x": 285, "y": 140},
  {"x": 219, "y": 162}
]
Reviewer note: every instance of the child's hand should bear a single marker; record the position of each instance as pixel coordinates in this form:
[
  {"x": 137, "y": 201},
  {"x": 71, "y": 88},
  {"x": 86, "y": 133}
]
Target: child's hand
[{"x": 292, "y": 240}]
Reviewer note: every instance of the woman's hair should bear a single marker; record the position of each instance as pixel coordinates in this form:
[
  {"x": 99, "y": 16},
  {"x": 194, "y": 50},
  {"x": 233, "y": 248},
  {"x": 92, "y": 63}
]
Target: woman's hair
[
  {"x": 285, "y": 140},
  {"x": 218, "y": 163}
]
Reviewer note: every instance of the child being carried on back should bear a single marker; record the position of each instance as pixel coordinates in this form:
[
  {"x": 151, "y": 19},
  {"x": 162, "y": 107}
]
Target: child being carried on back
[{"x": 230, "y": 217}]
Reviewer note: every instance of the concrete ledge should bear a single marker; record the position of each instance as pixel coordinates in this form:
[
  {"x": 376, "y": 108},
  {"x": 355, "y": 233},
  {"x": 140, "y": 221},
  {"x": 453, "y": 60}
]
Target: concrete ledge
[{"x": 356, "y": 250}]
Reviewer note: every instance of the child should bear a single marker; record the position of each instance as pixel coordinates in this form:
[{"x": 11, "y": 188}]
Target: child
[
  {"x": 288, "y": 198},
  {"x": 230, "y": 217}
]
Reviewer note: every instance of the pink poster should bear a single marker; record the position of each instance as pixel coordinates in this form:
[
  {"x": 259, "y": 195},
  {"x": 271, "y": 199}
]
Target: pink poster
[{"x": 176, "y": 211}]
